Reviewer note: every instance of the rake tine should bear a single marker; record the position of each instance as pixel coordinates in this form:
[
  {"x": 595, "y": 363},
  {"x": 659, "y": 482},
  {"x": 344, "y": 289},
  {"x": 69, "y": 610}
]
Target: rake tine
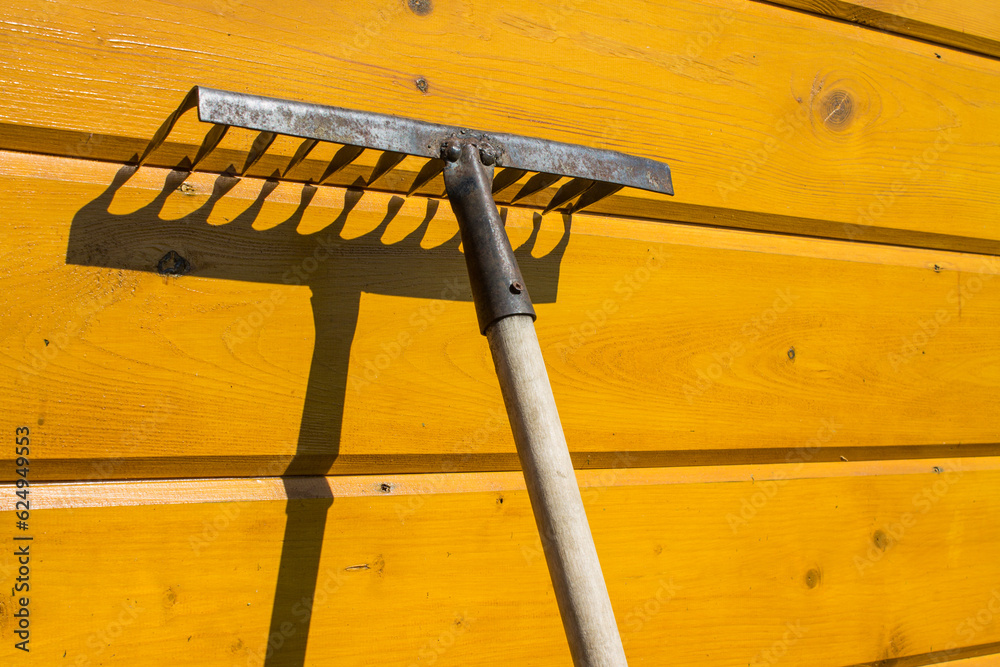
[
  {"x": 212, "y": 139},
  {"x": 304, "y": 149},
  {"x": 344, "y": 157},
  {"x": 595, "y": 194},
  {"x": 428, "y": 172},
  {"x": 536, "y": 183},
  {"x": 385, "y": 164},
  {"x": 382, "y": 132},
  {"x": 257, "y": 150},
  {"x": 189, "y": 102},
  {"x": 567, "y": 192},
  {"x": 507, "y": 178}
]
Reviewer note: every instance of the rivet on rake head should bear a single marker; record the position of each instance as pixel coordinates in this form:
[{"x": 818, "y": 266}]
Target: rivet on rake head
[
  {"x": 451, "y": 151},
  {"x": 487, "y": 155},
  {"x": 516, "y": 287}
]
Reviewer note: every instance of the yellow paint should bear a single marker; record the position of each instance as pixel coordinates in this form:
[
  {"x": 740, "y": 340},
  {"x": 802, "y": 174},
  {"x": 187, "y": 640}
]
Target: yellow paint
[
  {"x": 771, "y": 119},
  {"x": 662, "y": 341},
  {"x": 783, "y": 430},
  {"x": 454, "y": 571},
  {"x": 972, "y": 25}
]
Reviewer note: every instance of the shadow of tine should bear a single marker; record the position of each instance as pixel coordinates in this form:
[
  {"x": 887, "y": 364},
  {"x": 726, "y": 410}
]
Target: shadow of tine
[
  {"x": 523, "y": 251},
  {"x": 392, "y": 210},
  {"x": 190, "y": 101},
  {"x": 300, "y": 154},
  {"x": 248, "y": 216},
  {"x": 212, "y": 139},
  {"x": 427, "y": 173},
  {"x": 541, "y": 274},
  {"x": 305, "y": 197},
  {"x": 236, "y": 251},
  {"x": 432, "y": 208},
  {"x": 172, "y": 181},
  {"x": 220, "y": 188},
  {"x": 257, "y": 150},
  {"x": 386, "y": 163},
  {"x": 345, "y": 156},
  {"x": 413, "y": 238}
]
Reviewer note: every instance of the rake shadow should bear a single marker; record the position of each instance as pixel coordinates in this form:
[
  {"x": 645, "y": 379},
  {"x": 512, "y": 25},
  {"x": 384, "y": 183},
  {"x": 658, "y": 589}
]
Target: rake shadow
[{"x": 143, "y": 241}]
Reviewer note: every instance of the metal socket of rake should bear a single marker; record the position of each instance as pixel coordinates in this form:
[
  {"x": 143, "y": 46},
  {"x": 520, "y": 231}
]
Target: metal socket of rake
[{"x": 467, "y": 159}]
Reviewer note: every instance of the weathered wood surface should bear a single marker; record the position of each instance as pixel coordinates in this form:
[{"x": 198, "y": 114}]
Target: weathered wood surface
[
  {"x": 818, "y": 564},
  {"x": 965, "y": 24},
  {"x": 554, "y": 494},
  {"x": 667, "y": 344},
  {"x": 771, "y": 119}
]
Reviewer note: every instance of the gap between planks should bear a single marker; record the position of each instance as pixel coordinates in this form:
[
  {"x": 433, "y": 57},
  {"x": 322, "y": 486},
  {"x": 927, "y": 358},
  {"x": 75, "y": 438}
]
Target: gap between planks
[
  {"x": 75, "y": 170},
  {"x": 56, "y": 495}
]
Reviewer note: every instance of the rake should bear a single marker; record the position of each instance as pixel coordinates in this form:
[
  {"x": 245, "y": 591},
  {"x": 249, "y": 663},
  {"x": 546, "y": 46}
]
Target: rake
[{"x": 468, "y": 160}]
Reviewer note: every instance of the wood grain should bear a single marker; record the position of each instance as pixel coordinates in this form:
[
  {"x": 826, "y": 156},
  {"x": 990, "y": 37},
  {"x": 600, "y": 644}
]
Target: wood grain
[
  {"x": 574, "y": 567},
  {"x": 833, "y": 564},
  {"x": 666, "y": 344},
  {"x": 965, "y": 24},
  {"x": 869, "y": 136}
]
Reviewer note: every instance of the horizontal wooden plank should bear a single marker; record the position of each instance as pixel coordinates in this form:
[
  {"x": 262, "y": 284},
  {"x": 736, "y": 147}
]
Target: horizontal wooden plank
[
  {"x": 810, "y": 564},
  {"x": 666, "y": 344},
  {"x": 965, "y": 24},
  {"x": 872, "y": 136},
  {"x": 987, "y": 660}
]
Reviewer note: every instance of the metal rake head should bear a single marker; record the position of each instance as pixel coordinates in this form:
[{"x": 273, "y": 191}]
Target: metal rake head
[{"x": 594, "y": 173}]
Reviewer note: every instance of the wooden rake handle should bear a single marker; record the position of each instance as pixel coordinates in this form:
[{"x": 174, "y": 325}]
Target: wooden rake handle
[{"x": 506, "y": 317}]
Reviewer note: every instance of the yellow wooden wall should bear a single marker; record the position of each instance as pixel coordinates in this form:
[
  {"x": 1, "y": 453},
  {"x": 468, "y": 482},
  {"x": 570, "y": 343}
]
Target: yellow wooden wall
[{"x": 781, "y": 387}]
